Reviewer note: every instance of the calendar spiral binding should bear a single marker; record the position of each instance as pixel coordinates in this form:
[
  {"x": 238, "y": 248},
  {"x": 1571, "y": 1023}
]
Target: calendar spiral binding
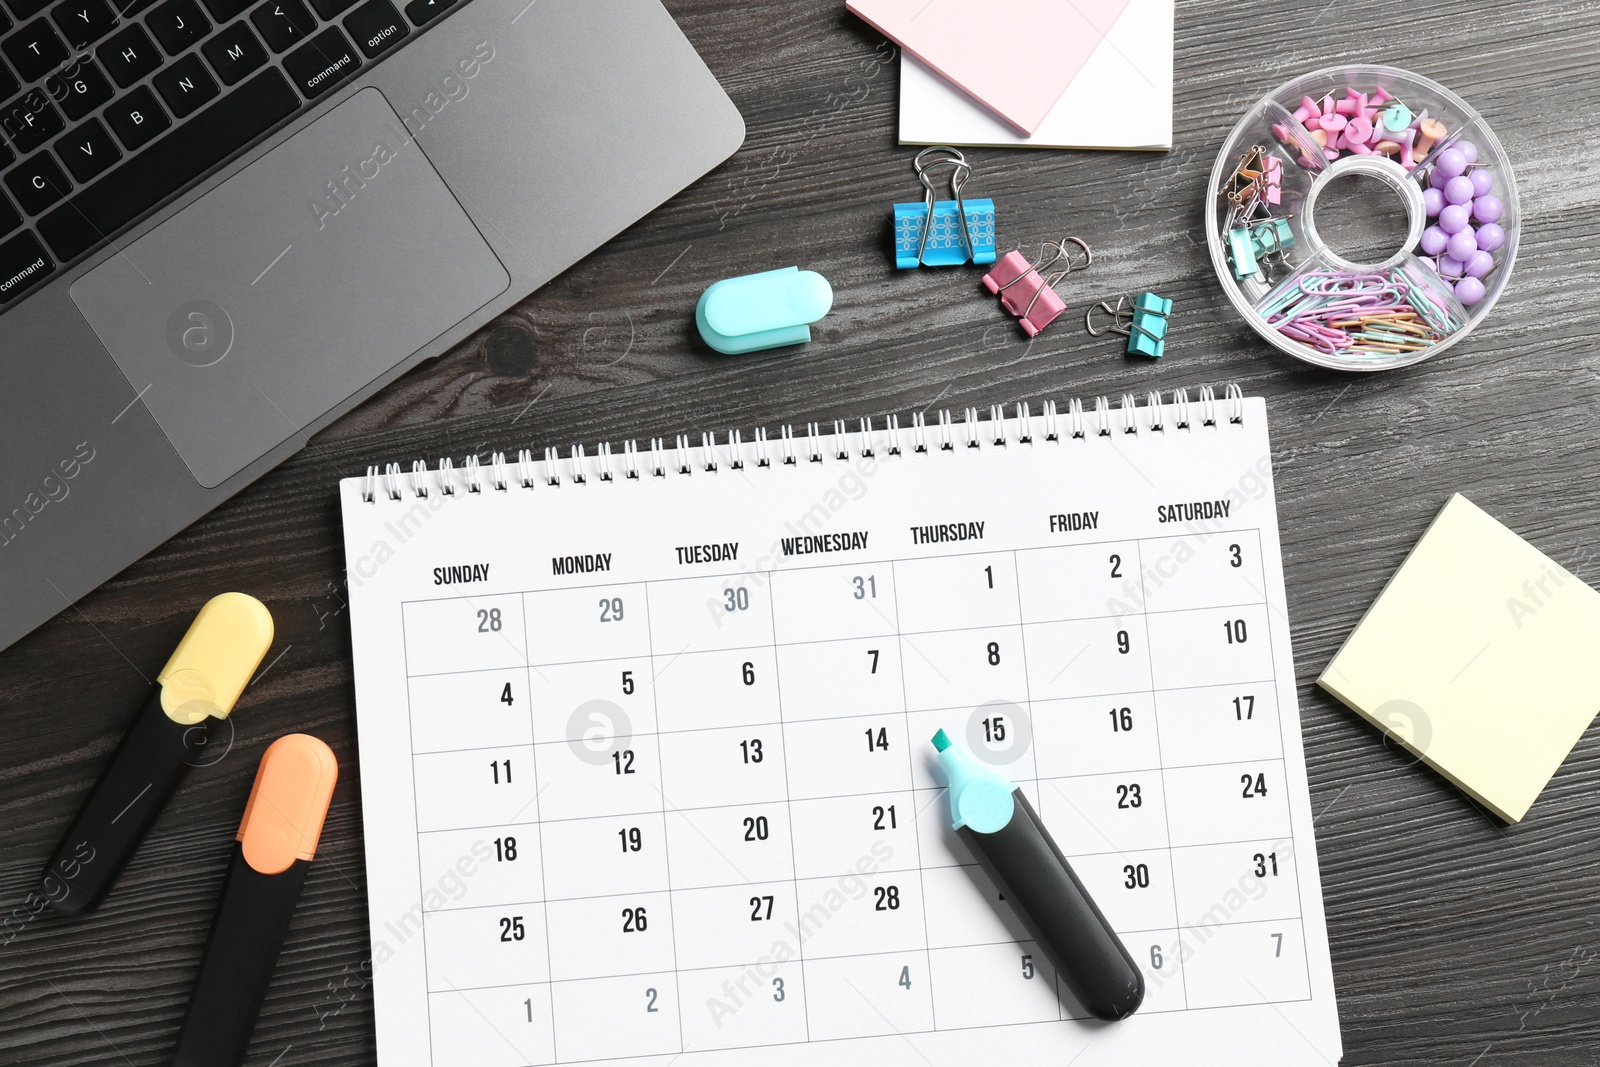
[{"x": 946, "y": 435}]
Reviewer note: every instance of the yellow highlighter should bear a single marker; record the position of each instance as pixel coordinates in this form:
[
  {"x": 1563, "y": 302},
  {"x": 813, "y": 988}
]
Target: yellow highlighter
[{"x": 195, "y": 690}]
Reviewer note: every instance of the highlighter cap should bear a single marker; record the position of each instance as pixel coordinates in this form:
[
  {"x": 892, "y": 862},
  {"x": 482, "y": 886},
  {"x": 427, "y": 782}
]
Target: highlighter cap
[
  {"x": 283, "y": 820},
  {"x": 980, "y": 799},
  {"x": 216, "y": 658}
]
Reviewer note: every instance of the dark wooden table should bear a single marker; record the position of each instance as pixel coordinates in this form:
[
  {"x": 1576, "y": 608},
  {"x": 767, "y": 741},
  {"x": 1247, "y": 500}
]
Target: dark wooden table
[{"x": 1456, "y": 940}]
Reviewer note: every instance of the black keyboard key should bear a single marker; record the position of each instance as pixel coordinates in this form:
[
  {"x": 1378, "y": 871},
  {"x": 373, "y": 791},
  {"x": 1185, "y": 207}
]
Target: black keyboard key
[
  {"x": 177, "y": 24},
  {"x": 6, "y": 155},
  {"x": 185, "y": 86},
  {"x": 129, "y": 8},
  {"x": 129, "y": 55},
  {"x": 88, "y": 150},
  {"x": 9, "y": 219},
  {"x": 226, "y": 10},
  {"x": 38, "y": 183},
  {"x": 81, "y": 93},
  {"x": 23, "y": 265},
  {"x": 322, "y": 63},
  {"x": 284, "y": 23},
  {"x": 83, "y": 22},
  {"x": 35, "y": 50},
  {"x": 169, "y": 164},
  {"x": 331, "y": 9},
  {"x": 5, "y": 21},
  {"x": 9, "y": 85},
  {"x": 26, "y": 9},
  {"x": 376, "y": 27},
  {"x": 137, "y": 118},
  {"x": 31, "y": 121},
  {"x": 234, "y": 53},
  {"x": 423, "y": 12}
]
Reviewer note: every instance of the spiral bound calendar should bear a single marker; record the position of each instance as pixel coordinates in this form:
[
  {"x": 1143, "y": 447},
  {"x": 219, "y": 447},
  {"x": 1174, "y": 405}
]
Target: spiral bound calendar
[{"x": 645, "y": 742}]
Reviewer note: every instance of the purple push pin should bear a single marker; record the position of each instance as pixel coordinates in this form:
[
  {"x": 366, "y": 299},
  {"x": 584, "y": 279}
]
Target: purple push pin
[
  {"x": 1462, "y": 245},
  {"x": 1434, "y": 240},
  {"x": 1432, "y": 201},
  {"x": 1488, "y": 208},
  {"x": 1458, "y": 190},
  {"x": 1482, "y": 181},
  {"x": 1451, "y": 267},
  {"x": 1451, "y": 163},
  {"x": 1480, "y": 264},
  {"x": 1454, "y": 218},
  {"x": 1491, "y": 237},
  {"x": 1469, "y": 291},
  {"x": 1468, "y": 150}
]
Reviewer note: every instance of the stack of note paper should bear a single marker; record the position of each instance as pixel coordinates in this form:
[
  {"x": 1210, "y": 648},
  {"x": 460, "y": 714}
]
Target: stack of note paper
[
  {"x": 1477, "y": 657},
  {"x": 1032, "y": 73}
]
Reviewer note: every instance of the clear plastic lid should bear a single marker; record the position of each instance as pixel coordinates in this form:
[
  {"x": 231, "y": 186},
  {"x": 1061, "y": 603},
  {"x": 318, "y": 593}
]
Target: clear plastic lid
[{"x": 1403, "y": 137}]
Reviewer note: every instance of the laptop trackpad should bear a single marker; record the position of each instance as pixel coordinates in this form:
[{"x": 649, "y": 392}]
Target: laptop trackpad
[{"x": 255, "y": 310}]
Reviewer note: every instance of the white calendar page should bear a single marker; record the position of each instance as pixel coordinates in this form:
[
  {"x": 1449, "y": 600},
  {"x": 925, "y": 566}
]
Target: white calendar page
[{"x": 647, "y": 773}]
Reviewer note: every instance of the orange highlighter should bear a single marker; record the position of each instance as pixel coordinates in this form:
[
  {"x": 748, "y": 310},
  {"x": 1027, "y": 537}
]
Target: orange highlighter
[{"x": 277, "y": 839}]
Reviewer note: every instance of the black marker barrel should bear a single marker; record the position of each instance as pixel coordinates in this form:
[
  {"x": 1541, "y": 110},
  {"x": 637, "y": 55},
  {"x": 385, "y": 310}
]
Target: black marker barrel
[{"x": 1010, "y": 842}]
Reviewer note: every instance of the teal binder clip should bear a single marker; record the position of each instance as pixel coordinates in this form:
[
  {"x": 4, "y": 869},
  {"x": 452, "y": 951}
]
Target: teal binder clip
[
  {"x": 943, "y": 233},
  {"x": 1144, "y": 323},
  {"x": 1242, "y": 252},
  {"x": 761, "y": 311}
]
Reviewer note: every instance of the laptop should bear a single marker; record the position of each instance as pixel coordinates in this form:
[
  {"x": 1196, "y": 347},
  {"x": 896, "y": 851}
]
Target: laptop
[{"x": 225, "y": 223}]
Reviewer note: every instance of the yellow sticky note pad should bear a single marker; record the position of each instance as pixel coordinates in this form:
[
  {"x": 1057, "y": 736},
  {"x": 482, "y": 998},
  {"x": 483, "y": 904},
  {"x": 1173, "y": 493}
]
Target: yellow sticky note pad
[{"x": 1477, "y": 657}]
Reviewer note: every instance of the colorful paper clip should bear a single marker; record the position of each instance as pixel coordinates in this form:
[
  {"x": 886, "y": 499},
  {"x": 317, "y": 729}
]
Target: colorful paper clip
[
  {"x": 1144, "y": 324},
  {"x": 943, "y": 233},
  {"x": 1028, "y": 293}
]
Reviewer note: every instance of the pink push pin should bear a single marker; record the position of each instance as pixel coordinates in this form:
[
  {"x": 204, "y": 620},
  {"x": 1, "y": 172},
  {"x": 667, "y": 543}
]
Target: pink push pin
[{"x": 1334, "y": 125}]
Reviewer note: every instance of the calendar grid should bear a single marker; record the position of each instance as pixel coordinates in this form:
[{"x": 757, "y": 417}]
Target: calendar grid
[
  {"x": 666, "y": 853},
  {"x": 788, "y": 795},
  {"x": 730, "y": 885},
  {"x": 416, "y": 814},
  {"x": 1155, "y": 718},
  {"x": 915, "y": 708},
  {"x": 733, "y": 575},
  {"x": 1022, "y": 622},
  {"x": 544, "y": 887},
  {"x": 916, "y": 813},
  {"x": 1300, "y": 908}
]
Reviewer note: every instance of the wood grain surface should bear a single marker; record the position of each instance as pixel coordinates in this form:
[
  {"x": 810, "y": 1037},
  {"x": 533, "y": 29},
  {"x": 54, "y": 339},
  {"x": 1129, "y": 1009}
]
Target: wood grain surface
[{"x": 1455, "y": 940}]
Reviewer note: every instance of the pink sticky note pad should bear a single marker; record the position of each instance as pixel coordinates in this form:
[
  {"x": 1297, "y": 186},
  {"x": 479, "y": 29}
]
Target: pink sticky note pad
[{"x": 1016, "y": 57}]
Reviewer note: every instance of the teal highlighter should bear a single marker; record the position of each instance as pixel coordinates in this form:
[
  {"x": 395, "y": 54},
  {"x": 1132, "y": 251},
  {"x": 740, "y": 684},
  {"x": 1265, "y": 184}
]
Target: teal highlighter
[{"x": 1010, "y": 842}]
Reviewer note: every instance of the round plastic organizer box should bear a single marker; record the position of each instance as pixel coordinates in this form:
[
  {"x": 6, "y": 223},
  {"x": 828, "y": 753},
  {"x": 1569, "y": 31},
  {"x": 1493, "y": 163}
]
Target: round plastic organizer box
[{"x": 1412, "y": 141}]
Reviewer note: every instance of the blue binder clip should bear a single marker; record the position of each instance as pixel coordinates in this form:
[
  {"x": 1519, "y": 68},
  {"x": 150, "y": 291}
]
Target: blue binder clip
[
  {"x": 1144, "y": 324},
  {"x": 943, "y": 233}
]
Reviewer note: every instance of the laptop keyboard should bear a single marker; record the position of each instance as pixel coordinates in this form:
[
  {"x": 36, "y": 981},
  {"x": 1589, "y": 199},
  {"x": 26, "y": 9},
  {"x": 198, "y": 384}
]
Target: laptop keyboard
[{"x": 113, "y": 107}]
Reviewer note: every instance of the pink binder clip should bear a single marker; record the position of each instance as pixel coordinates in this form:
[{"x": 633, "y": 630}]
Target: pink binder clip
[{"x": 1028, "y": 293}]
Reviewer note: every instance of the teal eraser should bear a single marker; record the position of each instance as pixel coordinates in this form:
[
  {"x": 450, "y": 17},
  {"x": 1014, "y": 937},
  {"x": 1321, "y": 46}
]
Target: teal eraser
[{"x": 761, "y": 311}]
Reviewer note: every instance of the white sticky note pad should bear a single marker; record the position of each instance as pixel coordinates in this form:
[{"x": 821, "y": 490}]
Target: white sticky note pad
[{"x": 1121, "y": 99}]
